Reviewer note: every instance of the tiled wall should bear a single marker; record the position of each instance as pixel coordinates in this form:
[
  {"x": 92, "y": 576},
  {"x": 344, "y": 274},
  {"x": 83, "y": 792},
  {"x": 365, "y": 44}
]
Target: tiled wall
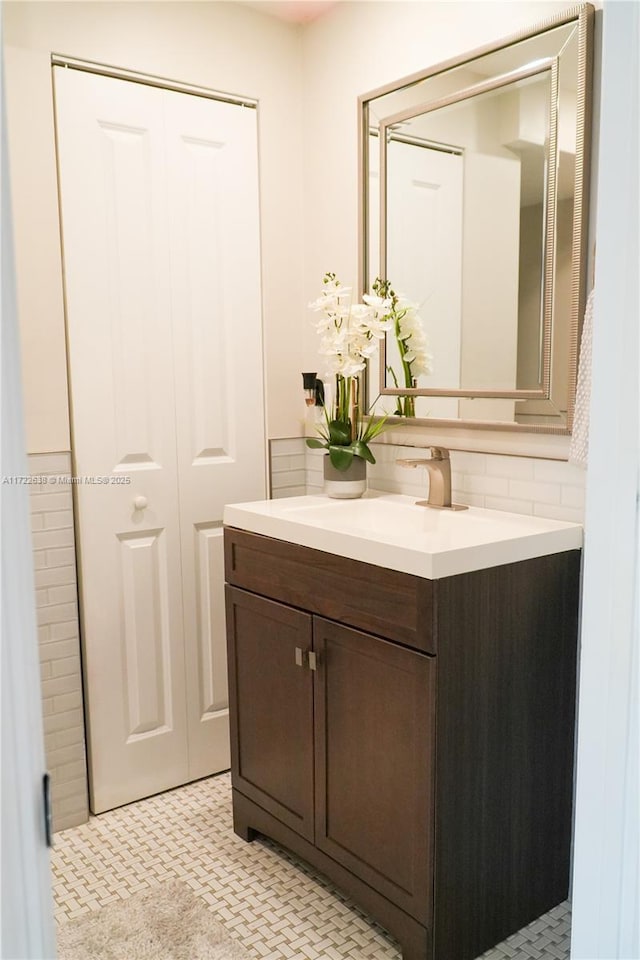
[
  {"x": 544, "y": 488},
  {"x": 288, "y": 467},
  {"x": 59, "y": 637}
]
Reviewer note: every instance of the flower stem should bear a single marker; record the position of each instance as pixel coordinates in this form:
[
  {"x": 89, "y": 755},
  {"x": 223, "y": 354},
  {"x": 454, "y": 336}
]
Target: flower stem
[{"x": 353, "y": 408}]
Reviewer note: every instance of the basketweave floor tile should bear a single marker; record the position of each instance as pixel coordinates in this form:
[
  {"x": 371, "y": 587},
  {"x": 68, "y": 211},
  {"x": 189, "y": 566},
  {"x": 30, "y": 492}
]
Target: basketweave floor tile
[{"x": 276, "y": 905}]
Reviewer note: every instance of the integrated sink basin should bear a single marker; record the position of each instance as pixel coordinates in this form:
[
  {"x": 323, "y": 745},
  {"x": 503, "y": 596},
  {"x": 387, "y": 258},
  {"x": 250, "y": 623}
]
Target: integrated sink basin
[{"x": 390, "y": 530}]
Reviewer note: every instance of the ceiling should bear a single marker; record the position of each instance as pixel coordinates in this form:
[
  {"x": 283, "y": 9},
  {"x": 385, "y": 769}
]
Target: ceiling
[{"x": 294, "y": 11}]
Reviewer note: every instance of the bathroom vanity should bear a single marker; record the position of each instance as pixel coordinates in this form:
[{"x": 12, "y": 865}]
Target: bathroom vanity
[{"x": 402, "y": 695}]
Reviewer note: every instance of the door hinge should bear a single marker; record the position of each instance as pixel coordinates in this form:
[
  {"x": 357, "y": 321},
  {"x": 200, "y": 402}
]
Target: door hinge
[{"x": 48, "y": 813}]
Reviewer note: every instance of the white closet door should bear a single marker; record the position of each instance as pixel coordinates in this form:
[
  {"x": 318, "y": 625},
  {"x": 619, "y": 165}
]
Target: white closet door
[
  {"x": 424, "y": 255},
  {"x": 116, "y": 249},
  {"x": 219, "y": 380},
  {"x": 129, "y": 342}
]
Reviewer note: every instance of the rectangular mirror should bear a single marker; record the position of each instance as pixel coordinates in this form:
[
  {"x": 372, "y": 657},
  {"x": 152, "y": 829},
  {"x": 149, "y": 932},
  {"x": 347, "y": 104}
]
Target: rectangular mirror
[{"x": 474, "y": 194}]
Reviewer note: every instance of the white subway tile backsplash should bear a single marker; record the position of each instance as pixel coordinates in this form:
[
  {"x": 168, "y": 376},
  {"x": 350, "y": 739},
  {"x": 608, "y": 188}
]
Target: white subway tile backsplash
[
  {"x": 519, "y": 468},
  {"x": 516, "y": 484},
  {"x": 45, "y": 539},
  {"x": 292, "y": 478},
  {"x": 64, "y": 738},
  {"x": 511, "y": 506},
  {"x": 50, "y": 464},
  {"x": 56, "y": 613},
  {"x": 280, "y": 494},
  {"x": 537, "y": 492},
  {"x": 58, "y": 520},
  {"x": 67, "y": 701},
  {"x": 45, "y": 670},
  {"x": 59, "y": 685},
  {"x": 470, "y": 499},
  {"x": 66, "y": 593},
  {"x": 58, "y": 756},
  {"x": 69, "y": 812},
  {"x": 58, "y": 638},
  {"x": 65, "y": 666},
  {"x": 385, "y": 484},
  {"x": 63, "y": 721},
  {"x": 55, "y": 576},
  {"x": 67, "y": 789},
  {"x": 43, "y": 501},
  {"x": 41, "y": 597},
  {"x": 47, "y": 711},
  {"x": 491, "y": 486},
  {"x": 558, "y": 471},
  {"x": 465, "y": 462},
  {"x": 65, "y": 631},
  {"x": 573, "y": 497},
  {"x": 64, "y": 556},
  {"x": 286, "y": 463},
  {"x": 72, "y": 770},
  {"x": 559, "y": 512},
  {"x": 286, "y": 446}
]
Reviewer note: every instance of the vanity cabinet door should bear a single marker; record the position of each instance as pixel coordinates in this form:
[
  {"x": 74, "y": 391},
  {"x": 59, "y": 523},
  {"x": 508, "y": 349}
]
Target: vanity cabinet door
[
  {"x": 374, "y": 755},
  {"x": 271, "y": 706}
]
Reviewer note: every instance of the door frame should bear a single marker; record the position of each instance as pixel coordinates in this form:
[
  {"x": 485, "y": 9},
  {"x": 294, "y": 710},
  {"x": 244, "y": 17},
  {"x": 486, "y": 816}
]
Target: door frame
[{"x": 121, "y": 73}]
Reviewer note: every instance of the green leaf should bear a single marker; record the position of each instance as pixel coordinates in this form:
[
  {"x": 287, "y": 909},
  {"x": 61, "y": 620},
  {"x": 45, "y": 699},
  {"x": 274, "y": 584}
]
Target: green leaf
[
  {"x": 360, "y": 449},
  {"x": 316, "y": 444},
  {"x": 374, "y": 427},
  {"x": 340, "y": 432},
  {"x": 341, "y": 457}
]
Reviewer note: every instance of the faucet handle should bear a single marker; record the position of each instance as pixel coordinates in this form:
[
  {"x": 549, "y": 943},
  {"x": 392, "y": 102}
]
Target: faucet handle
[{"x": 439, "y": 453}]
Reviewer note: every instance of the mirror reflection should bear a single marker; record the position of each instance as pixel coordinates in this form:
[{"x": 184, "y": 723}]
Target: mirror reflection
[{"x": 474, "y": 208}]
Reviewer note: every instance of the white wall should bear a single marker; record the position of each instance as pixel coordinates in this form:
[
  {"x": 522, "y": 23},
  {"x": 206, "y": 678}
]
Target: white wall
[
  {"x": 307, "y": 80},
  {"x": 352, "y": 50},
  {"x": 606, "y": 888},
  {"x": 226, "y": 46},
  {"x": 26, "y": 913}
]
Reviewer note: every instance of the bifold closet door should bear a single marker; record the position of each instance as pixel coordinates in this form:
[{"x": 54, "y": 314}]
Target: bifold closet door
[{"x": 161, "y": 255}]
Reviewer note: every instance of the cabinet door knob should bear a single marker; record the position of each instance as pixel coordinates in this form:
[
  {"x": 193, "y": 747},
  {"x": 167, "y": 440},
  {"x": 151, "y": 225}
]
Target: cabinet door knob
[
  {"x": 313, "y": 662},
  {"x": 140, "y": 503},
  {"x": 299, "y": 657}
]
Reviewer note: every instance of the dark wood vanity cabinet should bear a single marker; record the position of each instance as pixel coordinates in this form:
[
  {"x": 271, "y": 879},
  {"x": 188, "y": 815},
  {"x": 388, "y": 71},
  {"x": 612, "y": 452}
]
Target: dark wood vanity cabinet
[{"x": 412, "y": 739}]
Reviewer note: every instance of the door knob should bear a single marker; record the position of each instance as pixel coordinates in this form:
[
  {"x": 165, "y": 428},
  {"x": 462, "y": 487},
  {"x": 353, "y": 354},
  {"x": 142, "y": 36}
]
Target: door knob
[{"x": 140, "y": 503}]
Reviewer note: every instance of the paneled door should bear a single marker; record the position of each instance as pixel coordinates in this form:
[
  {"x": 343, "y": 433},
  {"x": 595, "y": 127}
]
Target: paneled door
[
  {"x": 159, "y": 210},
  {"x": 424, "y": 253}
]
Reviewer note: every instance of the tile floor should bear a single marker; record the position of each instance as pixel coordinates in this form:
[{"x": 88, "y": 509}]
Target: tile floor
[{"x": 276, "y": 906}]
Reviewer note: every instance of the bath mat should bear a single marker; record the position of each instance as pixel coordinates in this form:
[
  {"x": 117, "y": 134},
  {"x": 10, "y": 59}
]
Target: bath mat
[{"x": 167, "y": 922}]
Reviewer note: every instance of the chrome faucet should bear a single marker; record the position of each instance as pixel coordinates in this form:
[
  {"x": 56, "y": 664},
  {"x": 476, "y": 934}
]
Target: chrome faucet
[{"x": 439, "y": 469}]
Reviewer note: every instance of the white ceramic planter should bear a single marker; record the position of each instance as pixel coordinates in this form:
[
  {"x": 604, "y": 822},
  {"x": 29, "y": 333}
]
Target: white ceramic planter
[{"x": 346, "y": 484}]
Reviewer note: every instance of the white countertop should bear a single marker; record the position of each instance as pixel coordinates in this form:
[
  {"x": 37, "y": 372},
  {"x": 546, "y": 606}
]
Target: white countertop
[{"x": 389, "y": 530}]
